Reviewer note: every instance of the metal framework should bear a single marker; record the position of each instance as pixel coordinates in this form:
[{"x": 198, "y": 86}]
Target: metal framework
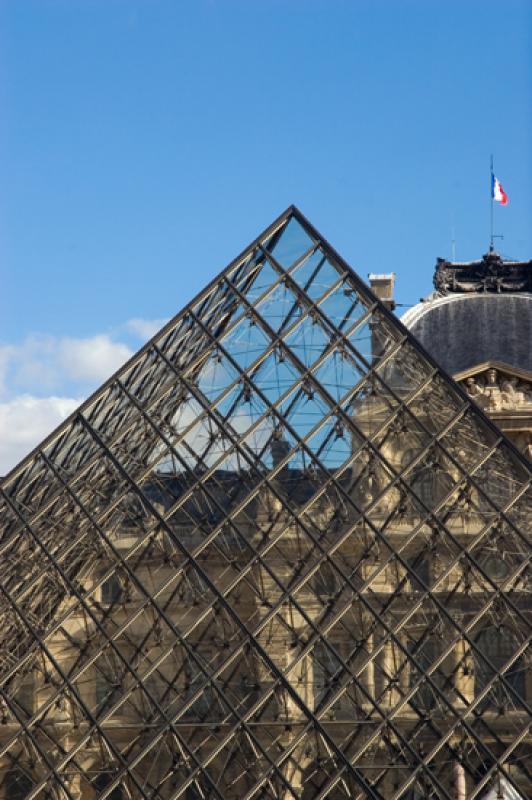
[{"x": 278, "y": 555}]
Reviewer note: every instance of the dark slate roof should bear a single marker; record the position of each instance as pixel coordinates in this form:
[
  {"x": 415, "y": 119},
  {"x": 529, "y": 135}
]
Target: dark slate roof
[
  {"x": 463, "y": 330},
  {"x": 225, "y": 488}
]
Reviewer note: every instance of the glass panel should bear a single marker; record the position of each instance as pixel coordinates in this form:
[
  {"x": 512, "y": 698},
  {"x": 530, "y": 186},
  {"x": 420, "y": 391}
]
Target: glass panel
[
  {"x": 245, "y": 343},
  {"x": 339, "y": 374},
  {"x": 497, "y": 645},
  {"x": 281, "y": 308},
  {"x": 215, "y": 376},
  {"x": 303, "y": 410},
  {"x": 275, "y": 376},
  {"x": 102, "y": 782},
  {"x": 331, "y": 444},
  {"x": 316, "y": 275},
  {"x": 372, "y": 339},
  {"x": 405, "y": 371},
  {"x": 422, "y": 653},
  {"x": 343, "y": 307},
  {"x": 308, "y": 341},
  {"x": 264, "y": 277},
  {"x": 18, "y": 785},
  {"x": 111, "y": 590},
  {"x": 290, "y": 243}
]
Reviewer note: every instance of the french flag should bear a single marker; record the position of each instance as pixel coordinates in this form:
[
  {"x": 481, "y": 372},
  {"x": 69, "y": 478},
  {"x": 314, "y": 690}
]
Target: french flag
[{"x": 497, "y": 192}]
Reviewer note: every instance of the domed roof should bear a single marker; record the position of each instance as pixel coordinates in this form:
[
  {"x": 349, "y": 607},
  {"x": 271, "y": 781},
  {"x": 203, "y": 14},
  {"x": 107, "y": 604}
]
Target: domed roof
[{"x": 463, "y": 330}]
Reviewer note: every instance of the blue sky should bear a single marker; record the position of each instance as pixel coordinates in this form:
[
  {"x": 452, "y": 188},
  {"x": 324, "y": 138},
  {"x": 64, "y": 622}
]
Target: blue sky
[{"x": 144, "y": 143}]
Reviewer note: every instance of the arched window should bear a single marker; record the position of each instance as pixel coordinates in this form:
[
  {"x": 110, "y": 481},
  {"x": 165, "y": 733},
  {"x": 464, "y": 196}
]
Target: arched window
[
  {"x": 496, "y": 484},
  {"x": 413, "y": 794},
  {"x": 429, "y": 479},
  {"x": 495, "y": 565},
  {"x": 419, "y": 571},
  {"x": 192, "y": 588},
  {"x": 498, "y": 644},
  {"x": 422, "y": 482},
  {"x": 111, "y": 589},
  {"x": 431, "y": 484},
  {"x": 205, "y": 706},
  {"x": 22, "y": 690},
  {"x": 327, "y": 676},
  {"x": 17, "y": 785},
  {"x": 326, "y": 581},
  {"x": 368, "y": 487},
  {"x": 422, "y": 654},
  {"x": 416, "y": 792},
  {"x": 102, "y": 782},
  {"x": 109, "y": 679}
]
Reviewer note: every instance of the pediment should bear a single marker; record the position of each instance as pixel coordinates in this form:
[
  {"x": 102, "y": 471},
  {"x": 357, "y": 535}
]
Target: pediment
[{"x": 496, "y": 386}]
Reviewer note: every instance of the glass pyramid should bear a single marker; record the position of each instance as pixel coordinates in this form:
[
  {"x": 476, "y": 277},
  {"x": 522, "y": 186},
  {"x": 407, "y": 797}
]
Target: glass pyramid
[{"x": 278, "y": 555}]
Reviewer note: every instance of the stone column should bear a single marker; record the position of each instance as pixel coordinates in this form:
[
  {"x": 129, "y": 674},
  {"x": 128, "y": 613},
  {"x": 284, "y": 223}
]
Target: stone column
[
  {"x": 390, "y": 673},
  {"x": 368, "y": 675},
  {"x": 526, "y": 662},
  {"x": 464, "y": 673},
  {"x": 404, "y": 666},
  {"x": 301, "y": 679},
  {"x": 74, "y": 787},
  {"x": 459, "y": 781},
  {"x": 293, "y": 772},
  {"x": 5, "y": 766}
]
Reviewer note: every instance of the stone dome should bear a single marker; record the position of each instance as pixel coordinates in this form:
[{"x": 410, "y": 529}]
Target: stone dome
[{"x": 463, "y": 330}]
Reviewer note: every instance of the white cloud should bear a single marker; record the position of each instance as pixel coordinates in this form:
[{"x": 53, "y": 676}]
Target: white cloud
[
  {"x": 44, "y": 364},
  {"x": 145, "y": 328},
  {"x": 91, "y": 359},
  {"x": 42, "y": 380},
  {"x": 25, "y": 421}
]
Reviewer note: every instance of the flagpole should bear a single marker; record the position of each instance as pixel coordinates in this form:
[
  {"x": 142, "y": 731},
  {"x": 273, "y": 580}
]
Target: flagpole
[{"x": 491, "y": 204}]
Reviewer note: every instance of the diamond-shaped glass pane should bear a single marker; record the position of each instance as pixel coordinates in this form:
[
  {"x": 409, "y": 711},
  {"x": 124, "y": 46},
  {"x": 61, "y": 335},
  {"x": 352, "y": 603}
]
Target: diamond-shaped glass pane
[{"x": 289, "y": 243}]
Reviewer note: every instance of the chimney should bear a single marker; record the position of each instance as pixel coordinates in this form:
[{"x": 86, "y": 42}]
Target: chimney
[{"x": 382, "y": 286}]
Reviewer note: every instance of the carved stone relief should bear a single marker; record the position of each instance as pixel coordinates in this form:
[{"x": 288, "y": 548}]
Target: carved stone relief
[{"x": 496, "y": 391}]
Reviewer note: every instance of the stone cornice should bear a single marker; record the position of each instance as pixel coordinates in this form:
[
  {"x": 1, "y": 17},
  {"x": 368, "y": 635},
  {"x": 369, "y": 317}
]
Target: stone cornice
[{"x": 490, "y": 274}]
